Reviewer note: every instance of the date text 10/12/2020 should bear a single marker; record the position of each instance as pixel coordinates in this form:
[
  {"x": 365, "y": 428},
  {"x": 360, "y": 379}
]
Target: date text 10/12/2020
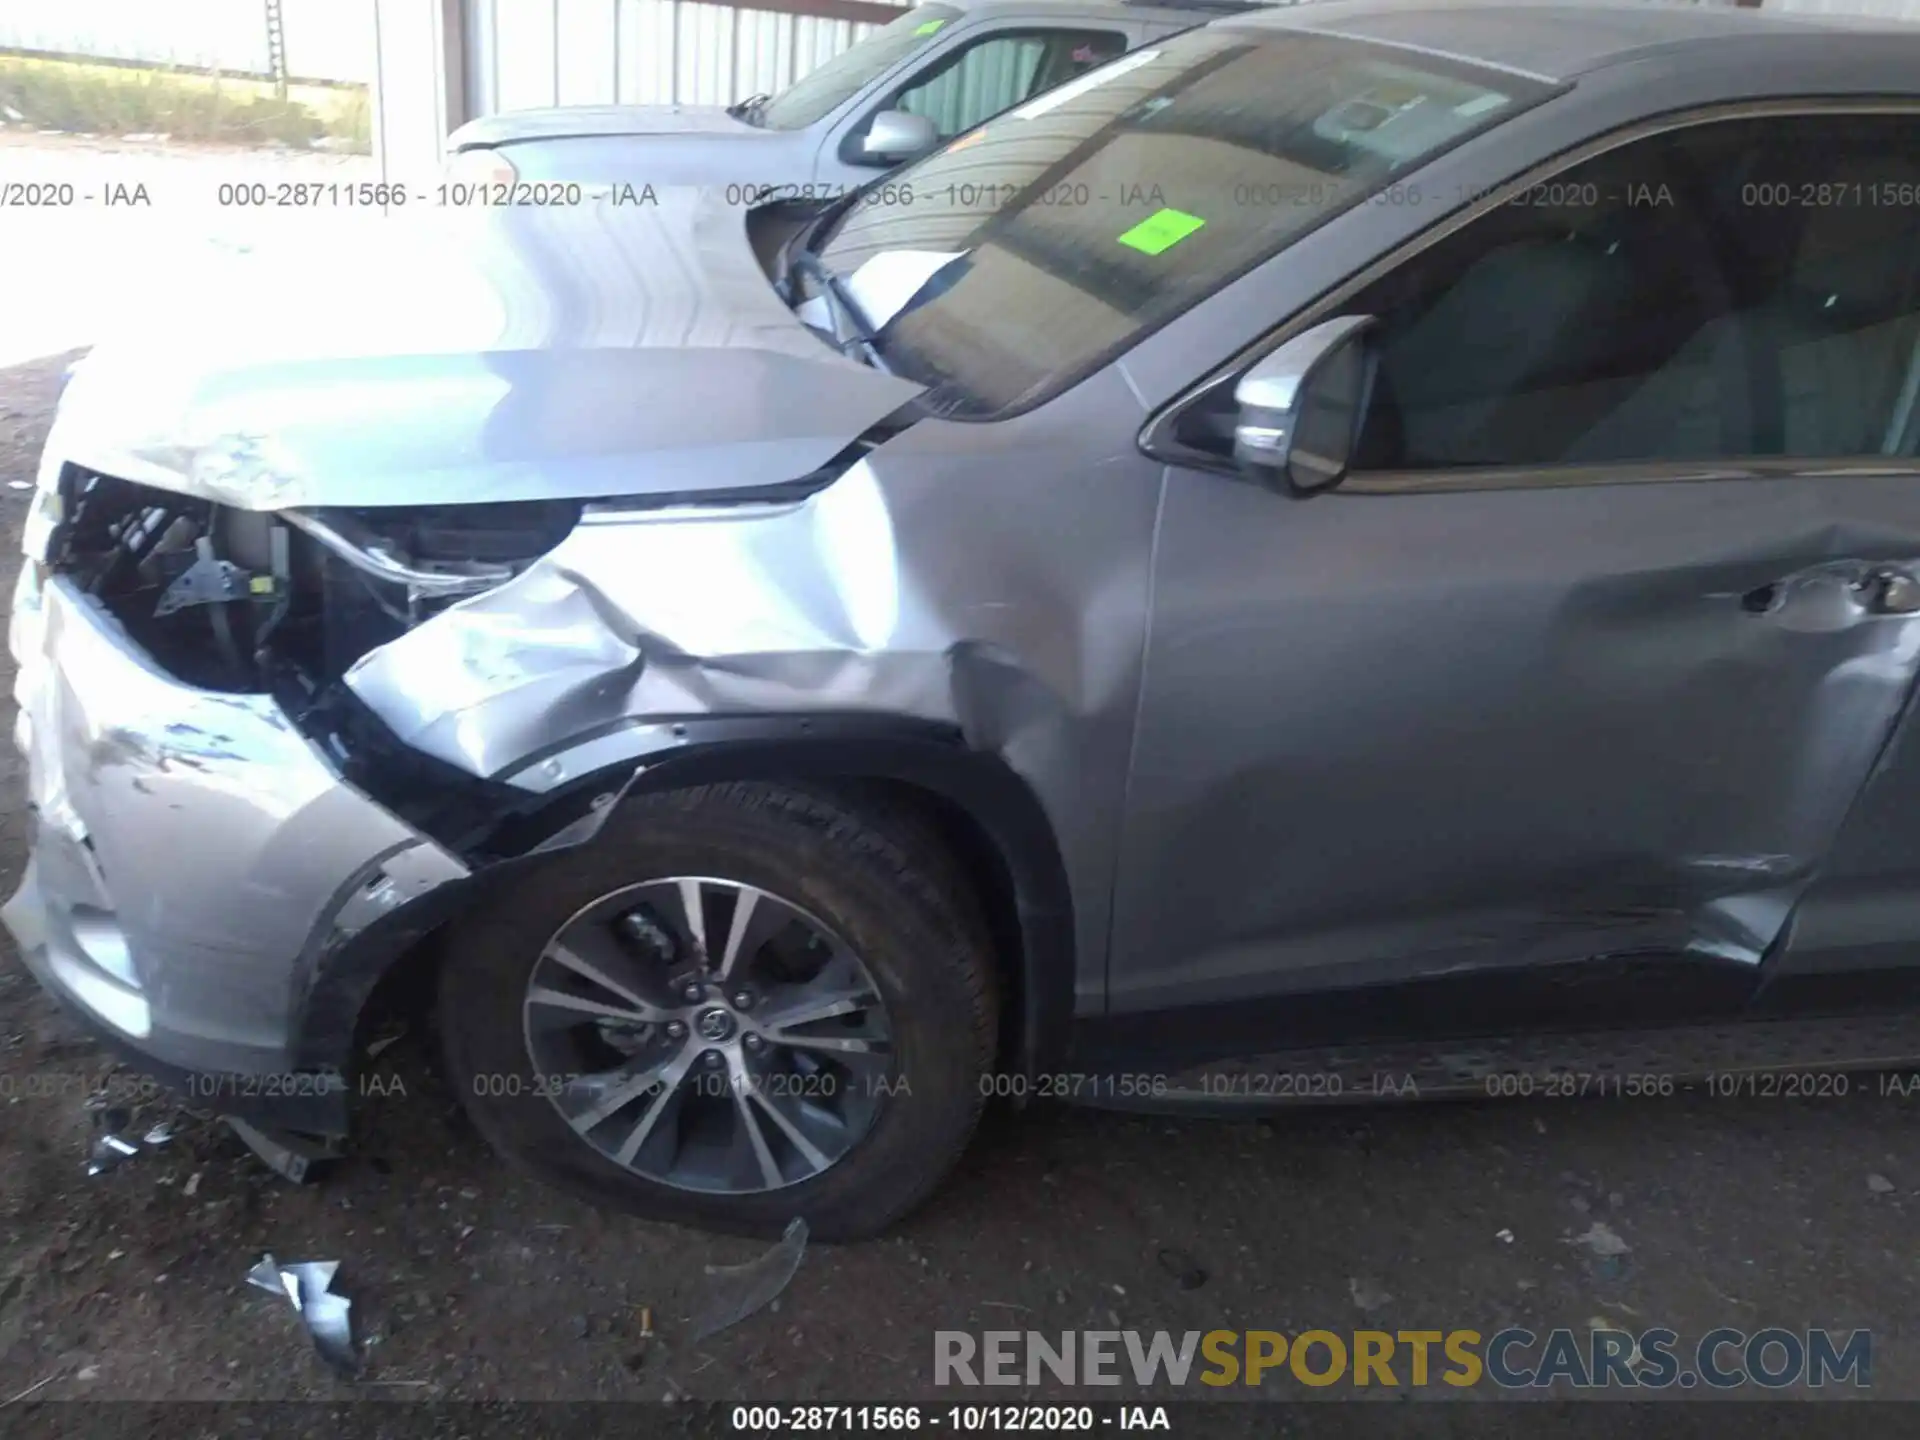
[{"x": 1278, "y": 1087}]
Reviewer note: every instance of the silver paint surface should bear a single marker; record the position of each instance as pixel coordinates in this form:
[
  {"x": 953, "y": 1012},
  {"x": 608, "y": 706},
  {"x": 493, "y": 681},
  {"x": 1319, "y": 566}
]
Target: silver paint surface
[
  {"x": 1368, "y": 737},
  {"x": 1498, "y": 728},
  {"x": 991, "y": 577},
  {"x": 562, "y": 351},
  {"x": 188, "y": 843}
]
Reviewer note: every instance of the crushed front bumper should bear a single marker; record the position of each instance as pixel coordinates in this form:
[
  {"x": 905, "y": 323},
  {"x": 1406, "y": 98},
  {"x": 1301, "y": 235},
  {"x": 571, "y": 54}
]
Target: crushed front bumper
[{"x": 196, "y": 861}]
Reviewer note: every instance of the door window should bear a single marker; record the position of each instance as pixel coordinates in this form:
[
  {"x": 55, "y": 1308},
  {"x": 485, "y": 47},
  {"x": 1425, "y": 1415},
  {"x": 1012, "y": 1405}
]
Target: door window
[
  {"x": 1739, "y": 288},
  {"x": 994, "y": 74},
  {"x": 825, "y": 88}
]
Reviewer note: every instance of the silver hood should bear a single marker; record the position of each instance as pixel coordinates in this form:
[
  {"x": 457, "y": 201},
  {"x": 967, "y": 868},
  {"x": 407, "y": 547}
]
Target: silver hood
[
  {"x": 560, "y": 352},
  {"x": 568, "y": 122}
]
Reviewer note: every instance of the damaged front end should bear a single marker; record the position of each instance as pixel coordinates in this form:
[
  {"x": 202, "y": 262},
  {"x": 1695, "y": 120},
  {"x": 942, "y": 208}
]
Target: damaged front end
[
  {"x": 307, "y": 644},
  {"x": 200, "y": 870},
  {"x": 282, "y": 603}
]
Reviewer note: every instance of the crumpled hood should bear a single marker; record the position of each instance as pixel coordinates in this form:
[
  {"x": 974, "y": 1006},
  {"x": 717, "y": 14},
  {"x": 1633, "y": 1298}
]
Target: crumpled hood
[
  {"x": 572, "y": 121},
  {"x": 557, "y": 352}
]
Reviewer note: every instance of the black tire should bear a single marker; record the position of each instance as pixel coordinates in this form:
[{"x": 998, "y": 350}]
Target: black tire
[{"x": 877, "y": 876}]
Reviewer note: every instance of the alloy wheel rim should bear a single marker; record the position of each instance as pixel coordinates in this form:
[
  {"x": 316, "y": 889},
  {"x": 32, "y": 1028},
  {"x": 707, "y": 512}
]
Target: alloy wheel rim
[{"x": 708, "y": 1035}]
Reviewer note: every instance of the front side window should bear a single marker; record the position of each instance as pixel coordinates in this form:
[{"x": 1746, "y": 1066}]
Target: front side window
[
  {"x": 1098, "y": 210},
  {"x": 1739, "y": 288},
  {"x": 827, "y": 86},
  {"x": 993, "y": 74}
]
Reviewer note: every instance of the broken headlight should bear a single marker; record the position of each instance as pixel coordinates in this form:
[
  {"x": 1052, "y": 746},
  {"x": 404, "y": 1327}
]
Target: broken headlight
[
  {"x": 232, "y": 599},
  {"x": 367, "y": 576},
  {"x": 437, "y": 553}
]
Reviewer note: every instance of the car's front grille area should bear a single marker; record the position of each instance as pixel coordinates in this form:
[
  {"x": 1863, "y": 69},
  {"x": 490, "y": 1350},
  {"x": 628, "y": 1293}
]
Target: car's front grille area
[
  {"x": 246, "y": 600},
  {"x": 193, "y": 583}
]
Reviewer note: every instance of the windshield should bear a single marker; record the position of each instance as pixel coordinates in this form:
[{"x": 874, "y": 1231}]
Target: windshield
[
  {"x": 822, "y": 89},
  {"x": 1101, "y": 209}
]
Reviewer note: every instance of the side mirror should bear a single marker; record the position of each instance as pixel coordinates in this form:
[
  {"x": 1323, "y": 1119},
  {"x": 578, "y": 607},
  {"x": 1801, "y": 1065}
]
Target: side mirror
[
  {"x": 896, "y": 135},
  {"x": 1300, "y": 407}
]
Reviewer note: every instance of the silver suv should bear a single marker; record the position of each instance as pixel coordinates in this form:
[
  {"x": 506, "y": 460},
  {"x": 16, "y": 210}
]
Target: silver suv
[
  {"x": 1357, "y": 541},
  {"x": 939, "y": 69}
]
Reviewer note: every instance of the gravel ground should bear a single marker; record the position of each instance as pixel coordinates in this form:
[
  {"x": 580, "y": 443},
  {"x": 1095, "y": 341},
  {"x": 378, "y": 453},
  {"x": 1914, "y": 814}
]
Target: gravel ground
[{"x": 470, "y": 1282}]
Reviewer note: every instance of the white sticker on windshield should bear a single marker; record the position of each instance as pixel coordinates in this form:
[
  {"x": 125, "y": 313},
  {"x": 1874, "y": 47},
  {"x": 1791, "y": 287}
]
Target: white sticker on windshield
[
  {"x": 1480, "y": 104},
  {"x": 1092, "y": 80}
]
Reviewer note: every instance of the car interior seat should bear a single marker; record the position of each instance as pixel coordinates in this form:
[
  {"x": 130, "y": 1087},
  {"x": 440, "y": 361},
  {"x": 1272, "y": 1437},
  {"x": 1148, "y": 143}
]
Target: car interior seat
[
  {"x": 1812, "y": 357},
  {"x": 1524, "y": 339}
]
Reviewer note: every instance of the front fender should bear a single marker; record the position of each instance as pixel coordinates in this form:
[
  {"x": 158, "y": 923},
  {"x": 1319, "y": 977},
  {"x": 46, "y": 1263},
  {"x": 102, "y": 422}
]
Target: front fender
[{"x": 499, "y": 828}]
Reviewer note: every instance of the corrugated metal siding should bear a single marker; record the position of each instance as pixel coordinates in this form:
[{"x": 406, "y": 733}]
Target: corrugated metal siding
[
  {"x": 528, "y": 53},
  {"x": 326, "y": 39}
]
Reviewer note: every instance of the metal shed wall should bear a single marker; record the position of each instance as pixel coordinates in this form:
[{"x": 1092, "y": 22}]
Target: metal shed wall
[{"x": 527, "y": 53}]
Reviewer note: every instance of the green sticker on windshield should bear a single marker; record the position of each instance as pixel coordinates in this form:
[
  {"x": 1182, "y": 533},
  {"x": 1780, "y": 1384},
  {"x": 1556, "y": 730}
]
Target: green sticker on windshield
[
  {"x": 1161, "y": 230},
  {"x": 929, "y": 27}
]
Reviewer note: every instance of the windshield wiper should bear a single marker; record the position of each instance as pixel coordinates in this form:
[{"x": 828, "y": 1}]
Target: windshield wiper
[
  {"x": 802, "y": 241},
  {"x": 842, "y": 307},
  {"x": 749, "y": 109}
]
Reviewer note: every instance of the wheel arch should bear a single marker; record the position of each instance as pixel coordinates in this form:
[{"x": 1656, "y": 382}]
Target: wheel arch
[{"x": 976, "y": 803}]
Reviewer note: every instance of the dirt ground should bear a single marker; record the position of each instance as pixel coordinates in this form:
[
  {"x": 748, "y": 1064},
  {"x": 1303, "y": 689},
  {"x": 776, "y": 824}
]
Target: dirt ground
[
  {"x": 133, "y": 210},
  {"x": 470, "y": 1282}
]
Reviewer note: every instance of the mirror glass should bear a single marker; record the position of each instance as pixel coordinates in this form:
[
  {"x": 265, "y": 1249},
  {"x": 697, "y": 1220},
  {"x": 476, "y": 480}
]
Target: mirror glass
[
  {"x": 1298, "y": 409},
  {"x": 899, "y": 135},
  {"x": 1327, "y": 418}
]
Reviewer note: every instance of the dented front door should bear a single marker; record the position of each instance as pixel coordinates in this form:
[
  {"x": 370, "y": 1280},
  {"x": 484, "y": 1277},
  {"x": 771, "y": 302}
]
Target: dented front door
[{"x": 1461, "y": 760}]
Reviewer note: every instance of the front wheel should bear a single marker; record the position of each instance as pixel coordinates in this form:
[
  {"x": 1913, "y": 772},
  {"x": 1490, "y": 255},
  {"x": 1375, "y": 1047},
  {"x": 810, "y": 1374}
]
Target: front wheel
[{"x": 738, "y": 1005}]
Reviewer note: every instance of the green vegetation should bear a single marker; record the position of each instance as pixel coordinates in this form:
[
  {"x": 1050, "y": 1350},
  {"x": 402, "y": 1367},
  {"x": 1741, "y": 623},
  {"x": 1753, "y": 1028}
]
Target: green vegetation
[{"x": 182, "y": 104}]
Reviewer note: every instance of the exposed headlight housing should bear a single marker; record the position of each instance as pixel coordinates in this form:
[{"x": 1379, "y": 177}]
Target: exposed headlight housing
[{"x": 441, "y": 552}]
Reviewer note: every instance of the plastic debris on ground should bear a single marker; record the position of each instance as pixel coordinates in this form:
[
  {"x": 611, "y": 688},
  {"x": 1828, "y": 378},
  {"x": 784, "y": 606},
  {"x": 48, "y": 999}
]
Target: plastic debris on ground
[
  {"x": 1601, "y": 1240},
  {"x": 380, "y": 1044},
  {"x": 308, "y": 1288},
  {"x": 33, "y": 1389},
  {"x": 1367, "y": 1294},
  {"x": 737, "y": 1291},
  {"x": 112, "y": 1148},
  {"x": 108, "y": 1151},
  {"x": 291, "y": 1156},
  {"x": 1186, "y": 1271}
]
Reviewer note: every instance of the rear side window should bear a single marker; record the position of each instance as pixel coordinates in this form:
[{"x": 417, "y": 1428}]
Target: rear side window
[{"x": 1739, "y": 288}]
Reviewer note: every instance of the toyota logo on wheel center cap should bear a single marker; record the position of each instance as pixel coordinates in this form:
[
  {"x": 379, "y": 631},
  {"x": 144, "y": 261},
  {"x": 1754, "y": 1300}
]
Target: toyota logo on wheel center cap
[{"x": 714, "y": 1024}]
